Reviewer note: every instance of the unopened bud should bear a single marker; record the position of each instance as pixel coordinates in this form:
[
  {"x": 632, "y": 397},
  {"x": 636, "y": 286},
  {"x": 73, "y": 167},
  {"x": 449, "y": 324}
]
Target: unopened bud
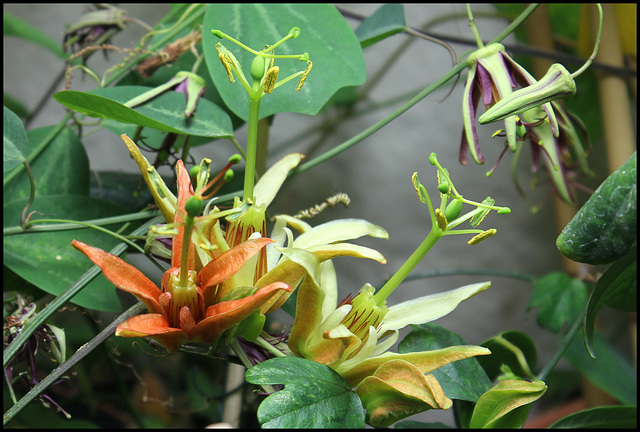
[{"x": 557, "y": 83}]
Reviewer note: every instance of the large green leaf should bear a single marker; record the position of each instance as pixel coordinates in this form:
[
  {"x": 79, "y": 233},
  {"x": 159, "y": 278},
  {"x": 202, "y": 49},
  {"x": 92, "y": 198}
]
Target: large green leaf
[
  {"x": 383, "y": 23},
  {"x": 618, "y": 288},
  {"x": 165, "y": 112},
  {"x": 314, "y": 396},
  {"x": 507, "y": 404},
  {"x": 609, "y": 370},
  {"x": 560, "y": 298},
  {"x": 332, "y": 46},
  {"x": 609, "y": 417},
  {"x": 47, "y": 259},
  {"x": 14, "y": 147},
  {"x": 62, "y": 168},
  {"x": 463, "y": 379}
]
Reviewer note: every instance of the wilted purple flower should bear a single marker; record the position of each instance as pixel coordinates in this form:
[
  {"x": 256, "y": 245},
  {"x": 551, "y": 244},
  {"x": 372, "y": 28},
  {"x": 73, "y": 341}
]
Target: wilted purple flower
[{"x": 492, "y": 75}]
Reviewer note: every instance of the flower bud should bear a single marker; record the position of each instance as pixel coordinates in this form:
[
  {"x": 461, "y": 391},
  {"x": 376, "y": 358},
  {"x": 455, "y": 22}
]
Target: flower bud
[
  {"x": 557, "y": 83},
  {"x": 453, "y": 210},
  {"x": 193, "y": 206},
  {"x": 257, "y": 68},
  {"x": 443, "y": 188}
]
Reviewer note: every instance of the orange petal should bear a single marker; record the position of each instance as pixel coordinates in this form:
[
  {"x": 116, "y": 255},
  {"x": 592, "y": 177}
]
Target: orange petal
[
  {"x": 155, "y": 326},
  {"x": 185, "y": 191},
  {"x": 230, "y": 262},
  {"x": 123, "y": 275},
  {"x": 224, "y": 315}
]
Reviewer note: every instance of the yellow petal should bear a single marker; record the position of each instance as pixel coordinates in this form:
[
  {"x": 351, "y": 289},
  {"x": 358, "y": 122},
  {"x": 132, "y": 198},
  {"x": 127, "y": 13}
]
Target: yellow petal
[
  {"x": 425, "y": 361},
  {"x": 397, "y": 390}
]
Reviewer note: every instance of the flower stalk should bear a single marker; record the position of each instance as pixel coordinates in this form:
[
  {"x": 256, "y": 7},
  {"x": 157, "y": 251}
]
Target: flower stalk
[{"x": 440, "y": 224}]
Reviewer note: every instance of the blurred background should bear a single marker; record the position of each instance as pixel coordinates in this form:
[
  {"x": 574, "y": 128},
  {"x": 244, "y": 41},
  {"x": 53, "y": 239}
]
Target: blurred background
[{"x": 375, "y": 174}]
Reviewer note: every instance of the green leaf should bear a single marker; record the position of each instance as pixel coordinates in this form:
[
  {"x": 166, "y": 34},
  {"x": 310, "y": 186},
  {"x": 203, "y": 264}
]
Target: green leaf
[
  {"x": 386, "y": 21},
  {"x": 14, "y": 26},
  {"x": 165, "y": 112},
  {"x": 332, "y": 46},
  {"x": 463, "y": 379},
  {"x": 15, "y": 140},
  {"x": 314, "y": 396},
  {"x": 609, "y": 370},
  {"x": 609, "y": 417},
  {"x": 126, "y": 190},
  {"x": 513, "y": 349},
  {"x": 47, "y": 259},
  {"x": 560, "y": 299},
  {"x": 507, "y": 404},
  {"x": 617, "y": 287},
  {"x": 62, "y": 168}
]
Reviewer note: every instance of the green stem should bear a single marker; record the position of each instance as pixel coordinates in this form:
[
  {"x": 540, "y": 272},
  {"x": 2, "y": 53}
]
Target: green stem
[
  {"x": 186, "y": 242},
  {"x": 563, "y": 346},
  {"x": 252, "y": 147},
  {"x": 66, "y": 225},
  {"x": 472, "y": 24},
  {"x": 67, "y": 295},
  {"x": 32, "y": 194},
  {"x": 595, "y": 48},
  {"x": 434, "y": 235}
]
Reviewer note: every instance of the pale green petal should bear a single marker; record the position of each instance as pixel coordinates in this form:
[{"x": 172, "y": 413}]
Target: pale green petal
[
  {"x": 329, "y": 285},
  {"x": 335, "y": 318},
  {"x": 428, "y": 308},
  {"x": 280, "y": 236},
  {"x": 364, "y": 353},
  {"x": 305, "y": 259},
  {"x": 339, "y": 230},
  {"x": 269, "y": 184},
  {"x": 328, "y": 251},
  {"x": 385, "y": 344},
  {"x": 298, "y": 224}
]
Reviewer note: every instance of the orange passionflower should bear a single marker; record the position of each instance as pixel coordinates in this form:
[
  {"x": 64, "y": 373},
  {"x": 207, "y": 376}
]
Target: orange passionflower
[{"x": 184, "y": 308}]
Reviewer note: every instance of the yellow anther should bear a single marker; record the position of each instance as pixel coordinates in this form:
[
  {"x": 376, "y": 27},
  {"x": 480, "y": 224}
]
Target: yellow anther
[
  {"x": 270, "y": 79},
  {"x": 483, "y": 235},
  {"x": 304, "y": 75},
  {"x": 441, "y": 219}
]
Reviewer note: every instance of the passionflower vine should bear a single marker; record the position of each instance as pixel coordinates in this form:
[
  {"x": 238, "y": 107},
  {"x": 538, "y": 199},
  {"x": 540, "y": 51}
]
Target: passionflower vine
[{"x": 184, "y": 309}]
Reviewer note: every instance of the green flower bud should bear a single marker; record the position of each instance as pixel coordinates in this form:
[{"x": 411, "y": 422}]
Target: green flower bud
[
  {"x": 557, "y": 83},
  {"x": 453, "y": 210},
  {"x": 257, "y": 68},
  {"x": 193, "y": 172},
  {"x": 193, "y": 206},
  {"x": 443, "y": 188}
]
